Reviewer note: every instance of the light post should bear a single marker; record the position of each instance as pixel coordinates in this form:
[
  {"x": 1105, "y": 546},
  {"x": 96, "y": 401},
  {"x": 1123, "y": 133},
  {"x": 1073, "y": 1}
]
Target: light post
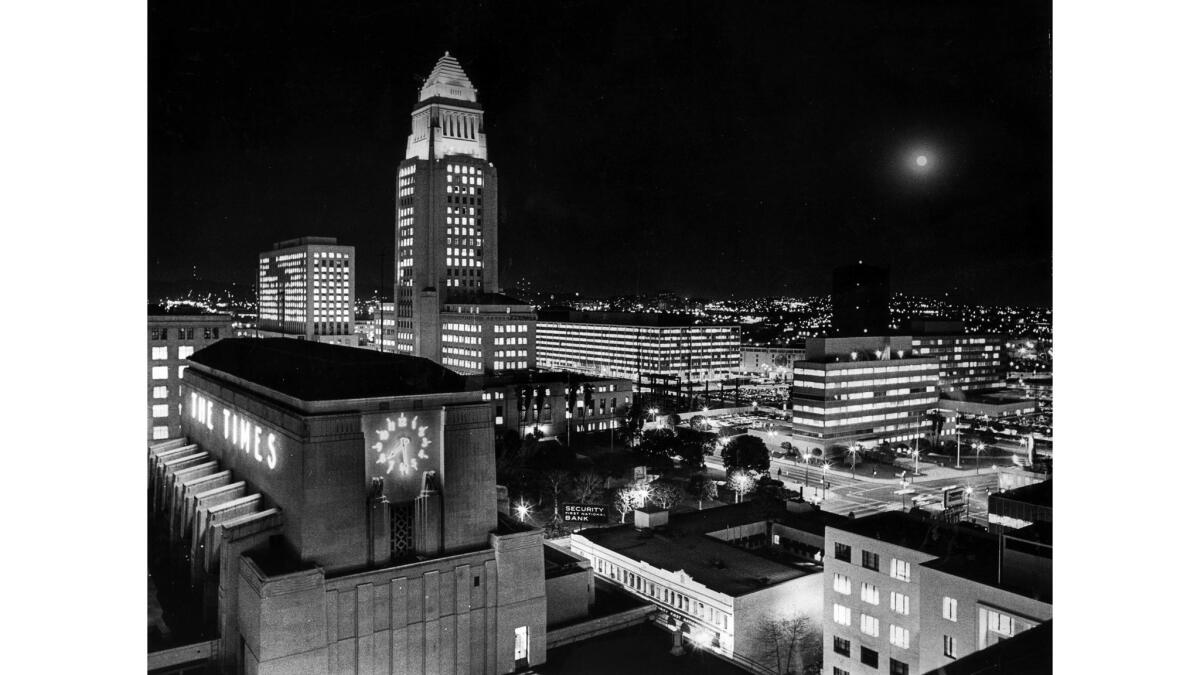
[
  {"x": 824, "y": 479},
  {"x": 970, "y": 490},
  {"x": 807, "y": 456},
  {"x": 958, "y": 448},
  {"x": 853, "y": 460},
  {"x": 978, "y": 448}
]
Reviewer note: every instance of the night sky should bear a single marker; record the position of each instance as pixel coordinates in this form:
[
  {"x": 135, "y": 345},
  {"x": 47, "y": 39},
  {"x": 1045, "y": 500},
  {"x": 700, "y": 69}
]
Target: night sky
[{"x": 710, "y": 148}]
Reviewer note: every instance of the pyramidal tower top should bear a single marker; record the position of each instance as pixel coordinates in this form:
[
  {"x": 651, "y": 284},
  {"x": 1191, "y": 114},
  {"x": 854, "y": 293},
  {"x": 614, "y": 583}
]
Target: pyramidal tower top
[
  {"x": 447, "y": 119},
  {"x": 447, "y": 81}
]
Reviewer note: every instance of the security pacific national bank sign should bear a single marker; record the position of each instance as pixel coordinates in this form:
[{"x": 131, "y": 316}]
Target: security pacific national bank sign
[{"x": 239, "y": 432}]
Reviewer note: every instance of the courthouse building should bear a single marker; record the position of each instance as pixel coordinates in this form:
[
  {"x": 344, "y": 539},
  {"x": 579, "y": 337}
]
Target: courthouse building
[
  {"x": 306, "y": 291},
  {"x": 335, "y": 510}
]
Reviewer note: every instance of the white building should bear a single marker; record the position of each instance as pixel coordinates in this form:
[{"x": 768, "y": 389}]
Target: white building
[{"x": 306, "y": 290}]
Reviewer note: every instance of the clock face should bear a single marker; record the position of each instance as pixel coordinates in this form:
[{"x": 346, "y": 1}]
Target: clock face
[{"x": 401, "y": 448}]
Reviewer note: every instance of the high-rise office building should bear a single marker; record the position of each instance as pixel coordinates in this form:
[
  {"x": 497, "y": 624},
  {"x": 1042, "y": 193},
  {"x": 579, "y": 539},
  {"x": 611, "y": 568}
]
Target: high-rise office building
[
  {"x": 860, "y": 300},
  {"x": 306, "y": 290},
  {"x": 446, "y": 258}
]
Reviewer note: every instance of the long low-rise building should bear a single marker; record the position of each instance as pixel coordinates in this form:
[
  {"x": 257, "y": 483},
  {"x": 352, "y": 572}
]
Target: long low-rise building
[
  {"x": 717, "y": 574},
  {"x": 638, "y": 347},
  {"x": 551, "y": 403}
]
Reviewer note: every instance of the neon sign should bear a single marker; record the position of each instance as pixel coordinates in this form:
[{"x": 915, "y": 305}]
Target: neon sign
[{"x": 240, "y": 432}]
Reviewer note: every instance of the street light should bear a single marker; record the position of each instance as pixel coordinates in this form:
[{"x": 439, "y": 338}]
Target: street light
[
  {"x": 807, "y": 456},
  {"x": 970, "y": 490},
  {"x": 824, "y": 479},
  {"x": 978, "y": 448},
  {"x": 854, "y": 459},
  {"x": 522, "y": 511}
]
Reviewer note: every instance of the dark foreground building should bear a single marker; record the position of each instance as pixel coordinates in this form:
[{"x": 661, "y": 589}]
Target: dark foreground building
[{"x": 334, "y": 510}]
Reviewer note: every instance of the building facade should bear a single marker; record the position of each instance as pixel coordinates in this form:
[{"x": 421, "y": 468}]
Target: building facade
[
  {"x": 446, "y": 240},
  {"x": 773, "y": 362},
  {"x": 552, "y": 403},
  {"x": 965, "y": 362},
  {"x": 637, "y": 347},
  {"x": 906, "y": 595},
  {"x": 707, "y": 572},
  {"x": 173, "y": 338},
  {"x": 336, "y": 508},
  {"x": 860, "y": 390},
  {"x": 306, "y": 290}
]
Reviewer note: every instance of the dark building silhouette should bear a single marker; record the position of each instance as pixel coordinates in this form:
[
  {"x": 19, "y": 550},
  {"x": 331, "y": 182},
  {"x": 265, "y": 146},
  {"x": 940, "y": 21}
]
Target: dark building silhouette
[{"x": 860, "y": 300}]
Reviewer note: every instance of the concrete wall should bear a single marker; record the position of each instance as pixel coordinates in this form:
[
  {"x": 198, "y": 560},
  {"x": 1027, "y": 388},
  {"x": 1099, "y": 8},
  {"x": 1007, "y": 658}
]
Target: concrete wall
[
  {"x": 455, "y": 614},
  {"x": 971, "y": 596},
  {"x": 802, "y": 596}
]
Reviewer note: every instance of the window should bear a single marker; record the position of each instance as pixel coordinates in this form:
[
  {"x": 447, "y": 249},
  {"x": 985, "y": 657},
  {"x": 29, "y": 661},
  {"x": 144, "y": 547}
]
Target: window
[
  {"x": 841, "y": 552},
  {"x": 898, "y": 636},
  {"x": 181, "y": 369},
  {"x": 869, "y": 593},
  {"x": 839, "y": 671},
  {"x": 158, "y": 373},
  {"x": 949, "y": 647},
  {"x": 160, "y": 392},
  {"x": 841, "y": 584},
  {"x": 868, "y": 624},
  {"x": 841, "y": 615},
  {"x": 159, "y": 433},
  {"x": 869, "y": 657},
  {"x": 158, "y": 353},
  {"x": 950, "y": 609},
  {"x": 897, "y": 667},
  {"x": 159, "y": 410},
  {"x": 870, "y": 560},
  {"x": 185, "y": 352},
  {"x": 216, "y": 334},
  {"x": 901, "y": 570},
  {"x": 899, "y": 603},
  {"x": 841, "y": 645}
]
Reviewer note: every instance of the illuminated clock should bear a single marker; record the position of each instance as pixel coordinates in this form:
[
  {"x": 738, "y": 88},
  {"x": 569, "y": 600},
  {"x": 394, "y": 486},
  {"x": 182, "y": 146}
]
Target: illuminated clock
[{"x": 401, "y": 448}]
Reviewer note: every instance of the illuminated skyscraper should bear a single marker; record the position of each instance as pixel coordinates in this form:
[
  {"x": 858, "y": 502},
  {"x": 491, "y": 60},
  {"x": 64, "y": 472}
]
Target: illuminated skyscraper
[
  {"x": 447, "y": 305},
  {"x": 306, "y": 290}
]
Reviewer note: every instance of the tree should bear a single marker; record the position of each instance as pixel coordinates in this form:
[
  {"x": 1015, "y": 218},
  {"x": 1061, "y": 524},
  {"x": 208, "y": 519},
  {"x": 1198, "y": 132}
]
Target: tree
[
  {"x": 588, "y": 486},
  {"x": 628, "y": 498},
  {"x": 555, "y": 483},
  {"x": 746, "y": 453},
  {"x": 665, "y": 494},
  {"x": 700, "y": 487},
  {"x": 789, "y": 644},
  {"x": 659, "y": 443}
]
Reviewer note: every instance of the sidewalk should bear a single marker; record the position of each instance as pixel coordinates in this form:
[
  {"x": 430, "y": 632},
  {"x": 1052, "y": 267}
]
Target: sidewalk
[{"x": 889, "y": 473}]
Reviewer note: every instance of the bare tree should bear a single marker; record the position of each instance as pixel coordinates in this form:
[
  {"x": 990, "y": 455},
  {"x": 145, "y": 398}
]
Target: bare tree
[
  {"x": 556, "y": 483},
  {"x": 627, "y": 499},
  {"x": 789, "y": 644},
  {"x": 588, "y": 486}
]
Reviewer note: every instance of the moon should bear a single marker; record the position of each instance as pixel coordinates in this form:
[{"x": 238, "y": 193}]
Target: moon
[{"x": 922, "y": 160}]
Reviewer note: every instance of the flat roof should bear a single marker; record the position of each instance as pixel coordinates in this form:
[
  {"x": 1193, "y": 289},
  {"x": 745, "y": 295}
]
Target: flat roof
[
  {"x": 315, "y": 371},
  {"x": 1037, "y": 494},
  {"x": 626, "y": 318},
  {"x": 918, "y": 532},
  {"x": 684, "y": 544},
  {"x": 482, "y": 381}
]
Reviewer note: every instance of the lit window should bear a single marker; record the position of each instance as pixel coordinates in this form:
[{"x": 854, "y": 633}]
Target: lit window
[
  {"x": 181, "y": 369},
  {"x": 158, "y": 353},
  {"x": 950, "y": 609},
  {"x": 898, "y": 636},
  {"x": 185, "y": 352},
  {"x": 841, "y": 615},
  {"x": 158, "y": 373},
  {"x": 159, "y": 410},
  {"x": 869, "y": 593},
  {"x": 159, "y": 433},
  {"x": 901, "y": 570},
  {"x": 868, "y": 624},
  {"x": 899, "y": 603},
  {"x": 160, "y": 392}
]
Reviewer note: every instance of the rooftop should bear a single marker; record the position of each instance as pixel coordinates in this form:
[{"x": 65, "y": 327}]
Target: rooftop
[
  {"x": 447, "y": 80},
  {"x": 531, "y": 377},
  {"x": 621, "y": 318},
  {"x": 491, "y": 299},
  {"x": 314, "y": 371},
  {"x": 306, "y": 241},
  {"x": 683, "y": 545},
  {"x": 1028, "y": 653},
  {"x": 1037, "y": 494},
  {"x": 918, "y": 532}
]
